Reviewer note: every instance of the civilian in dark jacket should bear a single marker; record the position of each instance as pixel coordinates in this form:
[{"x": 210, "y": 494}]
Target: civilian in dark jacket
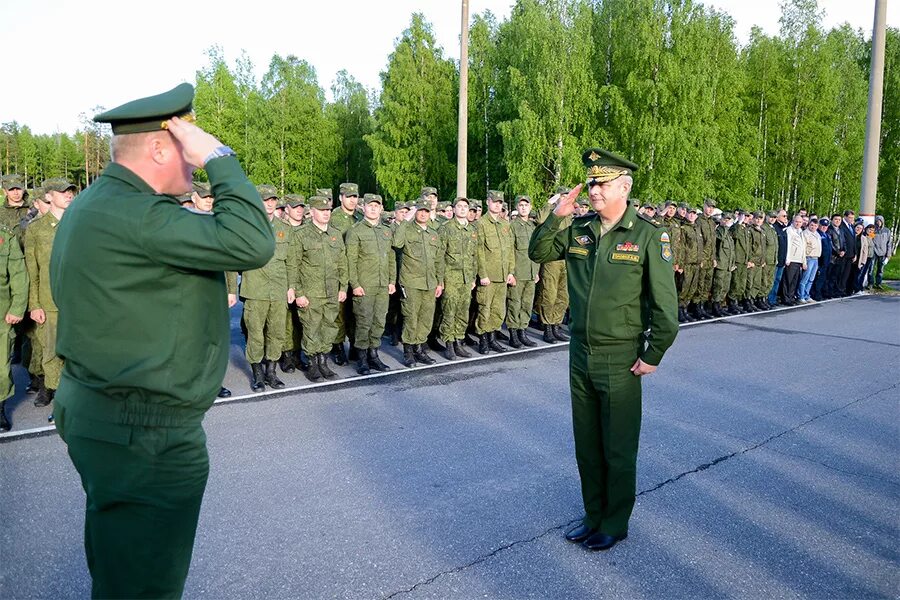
[
  {"x": 780, "y": 224},
  {"x": 832, "y": 287},
  {"x": 820, "y": 284},
  {"x": 848, "y": 243}
]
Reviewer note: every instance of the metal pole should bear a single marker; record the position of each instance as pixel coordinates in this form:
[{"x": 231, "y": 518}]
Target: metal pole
[
  {"x": 462, "y": 144},
  {"x": 873, "y": 117}
]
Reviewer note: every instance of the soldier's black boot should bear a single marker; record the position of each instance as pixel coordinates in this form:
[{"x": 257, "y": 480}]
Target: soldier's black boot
[
  {"x": 302, "y": 360},
  {"x": 354, "y": 353},
  {"x": 420, "y": 352},
  {"x": 493, "y": 344},
  {"x": 257, "y": 384},
  {"x": 326, "y": 371},
  {"x": 706, "y": 310},
  {"x": 42, "y": 398},
  {"x": 408, "y": 359},
  {"x": 548, "y": 335},
  {"x": 748, "y": 308},
  {"x": 434, "y": 344},
  {"x": 734, "y": 308},
  {"x": 716, "y": 309},
  {"x": 681, "y": 317},
  {"x": 5, "y": 424},
  {"x": 514, "y": 340},
  {"x": 395, "y": 335},
  {"x": 694, "y": 312},
  {"x": 36, "y": 382},
  {"x": 375, "y": 360},
  {"x": 460, "y": 348},
  {"x": 449, "y": 351},
  {"x": 559, "y": 334},
  {"x": 340, "y": 355},
  {"x": 286, "y": 362},
  {"x": 313, "y": 373},
  {"x": 362, "y": 363},
  {"x": 483, "y": 346},
  {"x": 526, "y": 341},
  {"x": 272, "y": 376},
  {"x": 224, "y": 392},
  {"x": 500, "y": 336}
]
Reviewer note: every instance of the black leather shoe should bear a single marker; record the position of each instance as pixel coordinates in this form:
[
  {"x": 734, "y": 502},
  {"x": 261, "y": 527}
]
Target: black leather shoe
[
  {"x": 362, "y": 364},
  {"x": 375, "y": 360},
  {"x": 483, "y": 343},
  {"x": 460, "y": 349},
  {"x": 548, "y": 334},
  {"x": 602, "y": 541},
  {"x": 559, "y": 334},
  {"x": 526, "y": 341},
  {"x": 408, "y": 359},
  {"x": 449, "y": 351},
  {"x": 5, "y": 424},
  {"x": 271, "y": 376},
  {"x": 340, "y": 355},
  {"x": 493, "y": 344},
  {"x": 420, "y": 352},
  {"x": 312, "y": 372},
  {"x": 286, "y": 362},
  {"x": 224, "y": 392},
  {"x": 326, "y": 371},
  {"x": 514, "y": 341},
  {"x": 579, "y": 534},
  {"x": 257, "y": 383}
]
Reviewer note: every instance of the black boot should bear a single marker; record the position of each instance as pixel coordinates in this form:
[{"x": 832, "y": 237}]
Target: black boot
[
  {"x": 302, "y": 360},
  {"x": 5, "y": 424},
  {"x": 526, "y": 341},
  {"x": 500, "y": 336},
  {"x": 434, "y": 344},
  {"x": 326, "y": 371},
  {"x": 224, "y": 392},
  {"x": 734, "y": 308},
  {"x": 362, "y": 363},
  {"x": 693, "y": 311},
  {"x": 559, "y": 334},
  {"x": 313, "y": 373},
  {"x": 257, "y": 383},
  {"x": 408, "y": 359},
  {"x": 421, "y": 354},
  {"x": 493, "y": 344},
  {"x": 375, "y": 360},
  {"x": 354, "y": 353},
  {"x": 35, "y": 384},
  {"x": 272, "y": 376},
  {"x": 286, "y": 362},
  {"x": 747, "y": 306},
  {"x": 395, "y": 335},
  {"x": 483, "y": 346},
  {"x": 449, "y": 351},
  {"x": 716, "y": 309},
  {"x": 460, "y": 349},
  {"x": 548, "y": 335},
  {"x": 340, "y": 355},
  {"x": 681, "y": 316},
  {"x": 514, "y": 340},
  {"x": 42, "y": 398},
  {"x": 706, "y": 314}
]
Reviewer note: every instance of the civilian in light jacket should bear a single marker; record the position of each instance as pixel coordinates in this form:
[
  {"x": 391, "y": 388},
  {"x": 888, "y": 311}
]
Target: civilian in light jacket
[{"x": 794, "y": 261}]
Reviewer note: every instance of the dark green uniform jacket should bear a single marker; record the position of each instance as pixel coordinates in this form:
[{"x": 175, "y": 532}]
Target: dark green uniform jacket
[
  {"x": 771, "y": 258},
  {"x": 495, "y": 249},
  {"x": 620, "y": 285},
  {"x": 741, "y": 235},
  {"x": 142, "y": 279}
]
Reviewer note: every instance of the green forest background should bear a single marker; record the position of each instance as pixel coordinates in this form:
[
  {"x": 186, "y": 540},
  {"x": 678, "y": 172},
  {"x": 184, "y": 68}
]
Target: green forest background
[{"x": 778, "y": 122}]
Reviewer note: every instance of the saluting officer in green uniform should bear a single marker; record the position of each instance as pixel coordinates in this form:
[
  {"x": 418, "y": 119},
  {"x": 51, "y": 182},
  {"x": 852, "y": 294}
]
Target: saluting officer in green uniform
[
  {"x": 343, "y": 217},
  {"x": 38, "y": 246},
  {"x": 623, "y": 319},
  {"x": 725, "y": 264},
  {"x": 294, "y": 211},
  {"x": 707, "y": 228},
  {"x": 520, "y": 297},
  {"x": 420, "y": 288},
  {"x": 495, "y": 273},
  {"x": 456, "y": 274},
  {"x": 143, "y": 330},
  {"x": 320, "y": 283},
  {"x": 266, "y": 292},
  {"x": 552, "y": 293},
  {"x": 372, "y": 271}
]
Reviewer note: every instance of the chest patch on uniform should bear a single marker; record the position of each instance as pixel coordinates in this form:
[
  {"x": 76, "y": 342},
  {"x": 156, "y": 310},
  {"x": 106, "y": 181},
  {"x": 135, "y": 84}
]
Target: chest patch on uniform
[
  {"x": 625, "y": 257},
  {"x": 579, "y": 251},
  {"x": 665, "y": 247},
  {"x": 584, "y": 240},
  {"x": 627, "y": 247},
  {"x": 664, "y": 237}
]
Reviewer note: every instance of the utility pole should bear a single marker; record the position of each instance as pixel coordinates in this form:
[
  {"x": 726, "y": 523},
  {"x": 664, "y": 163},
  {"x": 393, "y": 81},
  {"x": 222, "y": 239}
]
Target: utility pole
[
  {"x": 873, "y": 117},
  {"x": 462, "y": 144}
]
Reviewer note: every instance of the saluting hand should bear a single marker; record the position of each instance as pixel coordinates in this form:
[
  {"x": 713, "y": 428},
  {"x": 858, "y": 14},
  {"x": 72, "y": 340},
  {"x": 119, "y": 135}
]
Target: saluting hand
[
  {"x": 196, "y": 144},
  {"x": 38, "y": 316},
  {"x": 565, "y": 206},
  {"x": 640, "y": 368}
]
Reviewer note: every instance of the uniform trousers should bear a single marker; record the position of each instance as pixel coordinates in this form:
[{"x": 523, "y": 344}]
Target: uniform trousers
[
  {"x": 552, "y": 293},
  {"x": 689, "y": 284},
  {"x": 265, "y": 321},
  {"x": 51, "y": 363},
  {"x": 738, "y": 285},
  {"x": 418, "y": 315},
  {"x": 704, "y": 283},
  {"x": 293, "y": 332},
  {"x": 455, "y": 302},
  {"x": 721, "y": 283},
  {"x": 369, "y": 314},
  {"x": 318, "y": 320},
  {"x": 491, "y": 307},
  {"x": 519, "y": 301},
  {"x": 606, "y": 418},
  {"x": 7, "y": 339}
]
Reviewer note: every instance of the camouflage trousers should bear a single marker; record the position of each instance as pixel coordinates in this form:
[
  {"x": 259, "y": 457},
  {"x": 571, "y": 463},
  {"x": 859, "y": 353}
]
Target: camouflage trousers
[
  {"x": 369, "y": 313},
  {"x": 704, "y": 283},
  {"x": 689, "y": 284},
  {"x": 754, "y": 278},
  {"x": 51, "y": 363},
  {"x": 265, "y": 321},
  {"x": 418, "y": 315},
  {"x": 319, "y": 324},
  {"x": 455, "y": 309},
  {"x": 345, "y": 321},
  {"x": 519, "y": 300},
  {"x": 552, "y": 293},
  {"x": 491, "y": 307},
  {"x": 293, "y": 331},
  {"x": 7, "y": 337},
  {"x": 721, "y": 284},
  {"x": 738, "y": 286}
]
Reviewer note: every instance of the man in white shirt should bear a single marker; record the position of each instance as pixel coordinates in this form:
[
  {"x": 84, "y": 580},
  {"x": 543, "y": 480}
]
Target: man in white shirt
[{"x": 794, "y": 262}]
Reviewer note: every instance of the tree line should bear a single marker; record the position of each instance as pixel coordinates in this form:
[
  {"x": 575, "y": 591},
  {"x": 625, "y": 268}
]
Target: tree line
[{"x": 777, "y": 122}]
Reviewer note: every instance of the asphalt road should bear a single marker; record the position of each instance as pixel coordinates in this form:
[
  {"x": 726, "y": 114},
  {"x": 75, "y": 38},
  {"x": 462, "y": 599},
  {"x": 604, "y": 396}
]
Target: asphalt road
[{"x": 768, "y": 468}]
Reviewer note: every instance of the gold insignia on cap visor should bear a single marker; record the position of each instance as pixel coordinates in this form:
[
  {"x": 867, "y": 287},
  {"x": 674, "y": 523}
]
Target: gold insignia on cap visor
[
  {"x": 603, "y": 174},
  {"x": 188, "y": 117},
  {"x": 593, "y": 156}
]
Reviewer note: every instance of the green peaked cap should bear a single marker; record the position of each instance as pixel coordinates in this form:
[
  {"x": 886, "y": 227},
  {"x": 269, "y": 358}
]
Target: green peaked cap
[
  {"x": 603, "y": 166},
  {"x": 152, "y": 112}
]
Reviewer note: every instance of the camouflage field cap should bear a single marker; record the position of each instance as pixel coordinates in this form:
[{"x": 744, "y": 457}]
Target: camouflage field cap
[
  {"x": 523, "y": 198},
  {"x": 373, "y": 198},
  {"x": 295, "y": 200},
  {"x": 349, "y": 189},
  {"x": 57, "y": 184},
  {"x": 319, "y": 202},
  {"x": 691, "y": 209},
  {"x": 12, "y": 182},
  {"x": 739, "y": 211},
  {"x": 709, "y": 202},
  {"x": 562, "y": 190},
  {"x": 324, "y": 192},
  {"x": 267, "y": 191},
  {"x": 202, "y": 189},
  {"x": 683, "y": 205},
  {"x": 727, "y": 215},
  {"x": 152, "y": 112},
  {"x": 458, "y": 200},
  {"x": 602, "y": 165},
  {"x": 583, "y": 201},
  {"x": 772, "y": 214},
  {"x": 184, "y": 198},
  {"x": 758, "y": 214},
  {"x": 494, "y": 196},
  {"x": 423, "y": 204},
  {"x": 428, "y": 190},
  {"x": 398, "y": 205}
]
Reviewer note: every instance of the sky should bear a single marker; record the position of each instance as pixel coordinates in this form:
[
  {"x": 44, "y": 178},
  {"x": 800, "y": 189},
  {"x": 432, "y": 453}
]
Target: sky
[{"x": 74, "y": 56}]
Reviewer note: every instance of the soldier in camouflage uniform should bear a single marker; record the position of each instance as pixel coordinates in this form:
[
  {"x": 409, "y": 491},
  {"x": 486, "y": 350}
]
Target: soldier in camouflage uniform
[
  {"x": 394, "y": 320},
  {"x": 420, "y": 246},
  {"x": 704, "y": 280},
  {"x": 495, "y": 272},
  {"x": 520, "y": 297},
  {"x": 266, "y": 292},
  {"x": 690, "y": 243},
  {"x": 456, "y": 274},
  {"x": 372, "y": 273},
  {"x": 13, "y": 302},
  {"x": 320, "y": 284},
  {"x": 771, "y": 257},
  {"x": 15, "y": 210},
  {"x": 725, "y": 264},
  {"x": 344, "y": 216},
  {"x": 552, "y": 293},
  {"x": 38, "y": 246},
  {"x": 757, "y": 255},
  {"x": 291, "y": 355},
  {"x": 672, "y": 223},
  {"x": 737, "y": 289}
]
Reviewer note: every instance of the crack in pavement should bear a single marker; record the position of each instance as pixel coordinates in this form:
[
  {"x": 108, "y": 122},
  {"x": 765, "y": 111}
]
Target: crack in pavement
[
  {"x": 698, "y": 469},
  {"x": 833, "y": 468}
]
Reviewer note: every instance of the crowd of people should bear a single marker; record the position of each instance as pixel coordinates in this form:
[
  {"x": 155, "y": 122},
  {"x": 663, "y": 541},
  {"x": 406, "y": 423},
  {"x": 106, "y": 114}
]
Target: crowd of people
[{"x": 442, "y": 276}]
